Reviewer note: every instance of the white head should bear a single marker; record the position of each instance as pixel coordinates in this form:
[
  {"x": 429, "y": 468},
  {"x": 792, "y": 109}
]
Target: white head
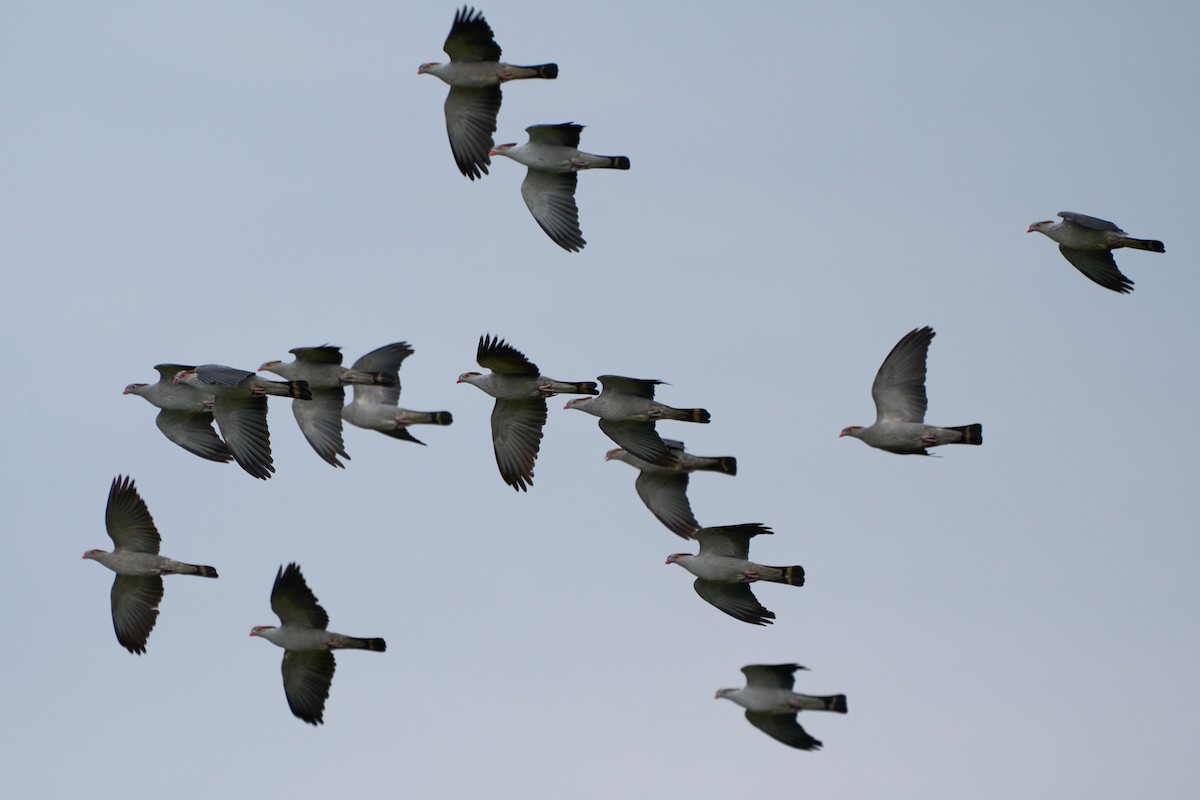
[
  {"x": 469, "y": 377},
  {"x": 184, "y": 376},
  {"x": 502, "y": 149},
  {"x": 134, "y": 388},
  {"x": 1041, "y": 227},
  {"x": 269, "y": 366},
  {"x": 578, "y": 402},
  {"x": 853, "y": 430},
  {"x": 675, "y": 558}
]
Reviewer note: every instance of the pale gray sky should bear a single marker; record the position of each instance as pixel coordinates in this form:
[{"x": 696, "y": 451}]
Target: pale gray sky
[{"x": 221, "y": 182}]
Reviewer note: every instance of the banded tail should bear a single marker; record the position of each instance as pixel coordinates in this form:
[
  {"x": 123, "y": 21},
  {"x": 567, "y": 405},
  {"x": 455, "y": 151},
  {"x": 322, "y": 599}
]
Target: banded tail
[
  {"x": 1153, "y": 245},
  {"x": 972, "y": 434},
  {"x": 440, "y": 418},
  {"x": 355, "y": 643},
  {"x": 569, "y": 387},
  {"x": 836, "y": 702},
  {"x": 688, "y": 414},
  {"x": 547, "y": 71},
  {"x": 792, "y": 576},
  {"x": 618, "y": 162},
  {"x": 180, "y": 568},
  {"x": 723, "y": 464}
]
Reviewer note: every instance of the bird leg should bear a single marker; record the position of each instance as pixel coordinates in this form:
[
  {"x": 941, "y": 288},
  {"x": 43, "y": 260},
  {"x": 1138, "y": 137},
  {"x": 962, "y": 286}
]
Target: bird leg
[
  {"x": 750, "y": 576},
  {"x": 578, "y": 164}
]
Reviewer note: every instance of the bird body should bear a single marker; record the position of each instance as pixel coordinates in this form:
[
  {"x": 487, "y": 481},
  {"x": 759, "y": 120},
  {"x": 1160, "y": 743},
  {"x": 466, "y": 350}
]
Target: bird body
[
  {"x": 628, "y": 413},
  {"x": 663, "y": 489},
  {"x": 553, "y": 159},
  {"x": 723, "y": 571},
  {"x": 901, "y": 402},
  {"x": 376, "y": 407},
  {"x": 308, "y": 662},
  {"x": 185, "y": 413},
  {"x": 771, "y": 705},
  {"x": 137, "y": 589},
  {"x": 1087, "y": 243}
]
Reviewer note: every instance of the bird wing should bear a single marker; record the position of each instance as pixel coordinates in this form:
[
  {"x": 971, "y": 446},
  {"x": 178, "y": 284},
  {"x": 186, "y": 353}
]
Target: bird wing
[
  {"x": 221, "y": 376},
  {"x": 636, "y": 387},
  {"x": 307, "y": 676},
  {"x": 550, "y": 197},
  {"x": 565, "y": 134},
  {"x": 294, "y": 603},
  {"x": 730, "y": 541},
  {"x": 639, "y": 439},
  {"x": 127, "y": 519},
  {"x": 899, "y": 388},
  {"x": 402, "y": 433},
  {"x": 771, "y": 676},
  {"x": 320, "y": 420},
  {"x": 470, "y": 122},
  {"x": 471, "y": 38},
  {"x": 500, "y": 357},
  {"x": 516, "y": 436},
  {"x": 784, "y": 728},
  {"x": 1095, "y": 223},
  {"x": 193, "y": 431},
  {"x": 323, "y": 354},
  {"x": 385, "y": 360},
  {"x": 665, "y": 494},
  {"x": 735, "y": 599},
  {"x": 243, "y": 424},
  {"x": 135, "y": 600},
  {"x": 1099, "y": 266}
]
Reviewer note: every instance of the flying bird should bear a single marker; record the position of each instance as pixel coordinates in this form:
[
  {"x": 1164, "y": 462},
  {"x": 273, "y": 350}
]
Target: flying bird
[
  {"x": 771, "y": 705},
  {"x": 724, "y": 571},
  {"x": 900, "y": 403},
  {"x": 554, "y": 159},
  {"x": 138, "y": 587},
  {"x": 1088, "y": 242},
  {"x": 520, "y": 411},
  {"x": 320, "y": 418},
  {"x": 664, "y": 489},
  {"x": 628, "y": 411},
  {"x": 475, "y": 74},
  {"x": 240, "y": 409},
  {"x": 308, "y": 662},
  {"x": 185, "y": 416},
  {"x": 376, "y": 406}
]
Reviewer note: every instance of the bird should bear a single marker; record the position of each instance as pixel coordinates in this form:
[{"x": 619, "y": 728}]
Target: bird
[
  {"x": 185, "y": 416},
  {"x": 771, "y": 705},
  {"x": 554, "y": 160},
  {"x": 1088, "y": 242},
  {"x": 138, "y": 587},
  {"x": 724, "y": 572},
  {"x": 240, "y": 409},
  {"x": 475, "y": 74},
  {"x": 320, "y": 418},
  {"x": 628, "y": 411},
  {"x": 900, "y": 403},
  {"x": 664, "y": 489},
  {"x": 308, "y": 662},
  {"x": 376, "y": 406},
  {"x": 520, "y": 411}
]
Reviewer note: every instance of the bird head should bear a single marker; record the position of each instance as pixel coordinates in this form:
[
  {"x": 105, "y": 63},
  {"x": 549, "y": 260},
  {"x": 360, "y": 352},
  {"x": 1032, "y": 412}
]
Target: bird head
[
  {"x": 1040, "y": 226},
  {"x": 502, "y": 149},
  {"x": 675, "y": 558},
  {"x": 616, "y": 452},
  {"x": 268, "y": 366},
  {"x": 723, "y": 693},
  {"x": 93, "y": 553},
  {"x": 257, "y": 630},
  {"x": 133, "y": 388},
  {"x": 183, "y": 375},
  {"x": 577, "y": 402},
  {"x": 469, "y": 377},
  {"x": 850, "y": 431},
  {"x": 427, "y": 67}
]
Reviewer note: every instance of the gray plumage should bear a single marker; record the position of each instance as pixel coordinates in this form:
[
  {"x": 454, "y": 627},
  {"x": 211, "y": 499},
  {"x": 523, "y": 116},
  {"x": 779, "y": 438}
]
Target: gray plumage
[
  {"x": 1088, "y": 242},
  {"x": 900, "y": 404},
  {"x": 308, "y": 663},
  {"x": 554, "y": 160},
  {"x": 376, "y": 407},
  {"x": 663, "y": 489},
  {"x": 772, "y": 706},
  {"x": 724, "y": 571},
  {"x": 185, "y": 416},
  {"x": 138, "y": 588},
  {"x": 628, "y": 413},
  {"x": 475, "y": 74},
  {"x": 520, "y": 411}
]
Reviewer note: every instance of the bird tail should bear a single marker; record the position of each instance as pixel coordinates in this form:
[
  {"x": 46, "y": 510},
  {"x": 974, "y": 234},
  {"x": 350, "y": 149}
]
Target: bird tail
[
  {"x": 569, "y": 387},
  {"x": 547, "y": 71},
  {"x": 835, "y": 702},
  {"x": 614, "y": 162},
  {"x": 179, "y": 568},
  {"x": 355, "y": 643},
  {"x": 427, "y": 417},
  {"x": 296, "y": 389},
  {"x": 971, "y": 434},
  {"x": 1153, "y": 245},
  {"x": 688, "y": 414},
  {"x": 792, "y": 576},
  {"x": 723, "y": 464}
]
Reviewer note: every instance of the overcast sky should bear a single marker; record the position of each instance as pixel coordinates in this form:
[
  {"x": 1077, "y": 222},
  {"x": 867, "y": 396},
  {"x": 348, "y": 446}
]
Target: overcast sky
[{"x": 220, "y": 182}]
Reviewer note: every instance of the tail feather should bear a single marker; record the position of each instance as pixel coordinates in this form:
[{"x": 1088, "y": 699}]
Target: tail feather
[
  {"x": 548, "y": 71},
  {"x": 972, "y": 434},
  {"x": 1153, "y": 245},
  {"x": 691, "y": 414},
  {"x": 195, "y": 569},
  {"x": 379, "y": 646},
  {"x": 792, "y": 576},
  {"x": 836, "y": 703},
  {"x": 441, "y": 418},
  {"x": 616, "y": 162},
  {"x": 723, "y": 464},
  {"x": 299, "y": 390}
]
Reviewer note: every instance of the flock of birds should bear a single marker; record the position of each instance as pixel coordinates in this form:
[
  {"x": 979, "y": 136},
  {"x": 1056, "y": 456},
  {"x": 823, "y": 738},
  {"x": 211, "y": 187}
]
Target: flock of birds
[{"x": 191, "y": 399}]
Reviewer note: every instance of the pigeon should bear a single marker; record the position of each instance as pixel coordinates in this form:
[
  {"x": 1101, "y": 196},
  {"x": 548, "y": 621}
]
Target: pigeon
[
  {"x": 520, "y": 411},
  {"x": 900, "y": 402},
  {"x": 186, "y": 413},
  {"x": 724, "y": 572},
  {"x": 320, "y": 418},
  {"x": 375, "y": 406},
  {"x": 664, "y": 489},
  {"x": 308, "y": 662},
  {"x": 240, "y": 408},
  {"x": 1088, "y": 242},
  {"x": 627, "y": 413},
  {"x": 138, "y": 588},
  {"x": 771, "y": 705},
  {"x": 475, "y": 74},
  {"x": 554, "y": 160}
]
